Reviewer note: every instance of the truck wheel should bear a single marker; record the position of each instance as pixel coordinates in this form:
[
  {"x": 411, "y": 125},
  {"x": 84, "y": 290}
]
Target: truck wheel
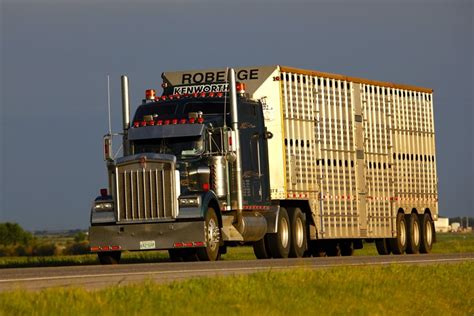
[
  {"x": 212, "y": 234},
  {"x": 112, "y": 257},
  {"x": 383, "y": 246},
  {"x": 279, "y": 242},
  {"x": 399, "y": 244},
  {"x": 426, "y": 225},
  {"x": 413, "y": 233},
  {"x": 261, "y": 249},
  {"x": 347, "y": 248},
  {"x": 298, "y": 233}
]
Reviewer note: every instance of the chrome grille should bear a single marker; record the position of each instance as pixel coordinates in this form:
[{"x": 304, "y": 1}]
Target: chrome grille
[{"x": 145, "y": 193}]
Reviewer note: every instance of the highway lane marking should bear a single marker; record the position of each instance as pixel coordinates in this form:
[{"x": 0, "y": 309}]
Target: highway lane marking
[{"x": 226, "y": 270}]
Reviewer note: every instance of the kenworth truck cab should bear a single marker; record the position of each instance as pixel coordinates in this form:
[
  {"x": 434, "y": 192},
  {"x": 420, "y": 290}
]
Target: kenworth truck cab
[{"x": 176, "y": 187}]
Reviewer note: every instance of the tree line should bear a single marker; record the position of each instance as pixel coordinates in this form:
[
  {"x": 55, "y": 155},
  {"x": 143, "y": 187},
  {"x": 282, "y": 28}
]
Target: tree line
[{"x": 15, "y": 241}]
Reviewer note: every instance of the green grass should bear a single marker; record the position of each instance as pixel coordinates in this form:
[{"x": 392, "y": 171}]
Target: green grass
[
  {"x": 447, "y": 243},
  {"x": 389, "y": 290}
]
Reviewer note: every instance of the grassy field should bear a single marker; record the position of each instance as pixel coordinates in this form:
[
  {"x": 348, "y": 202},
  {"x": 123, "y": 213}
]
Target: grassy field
[
  {"x": 390, "y": 290},
  {"x": 447, "y": 243}
]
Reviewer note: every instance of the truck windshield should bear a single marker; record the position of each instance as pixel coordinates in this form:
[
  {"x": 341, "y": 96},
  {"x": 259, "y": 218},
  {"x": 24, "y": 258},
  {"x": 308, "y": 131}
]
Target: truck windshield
[{"x": 182, "y": 147}]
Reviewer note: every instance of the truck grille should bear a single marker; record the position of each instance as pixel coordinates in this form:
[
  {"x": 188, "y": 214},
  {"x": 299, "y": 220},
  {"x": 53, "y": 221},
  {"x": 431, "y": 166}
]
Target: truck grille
[{"x": 145, "y": 193}]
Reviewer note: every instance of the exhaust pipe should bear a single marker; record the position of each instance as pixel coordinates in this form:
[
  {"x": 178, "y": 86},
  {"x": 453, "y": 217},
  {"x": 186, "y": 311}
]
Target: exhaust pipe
[
  {"x": 238, "y": 203},
  {"x": 125, "y": 113}
]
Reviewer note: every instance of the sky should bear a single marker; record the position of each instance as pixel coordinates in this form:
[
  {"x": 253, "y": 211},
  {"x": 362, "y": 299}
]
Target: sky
[{"x": 56, "y": 55}]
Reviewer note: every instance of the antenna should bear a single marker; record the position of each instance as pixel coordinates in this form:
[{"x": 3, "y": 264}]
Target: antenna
[{"x": 108, "y": 104}]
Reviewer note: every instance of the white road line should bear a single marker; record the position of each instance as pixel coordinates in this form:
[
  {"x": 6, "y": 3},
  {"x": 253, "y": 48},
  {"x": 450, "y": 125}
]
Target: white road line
[{"x": 228, "y": 270}]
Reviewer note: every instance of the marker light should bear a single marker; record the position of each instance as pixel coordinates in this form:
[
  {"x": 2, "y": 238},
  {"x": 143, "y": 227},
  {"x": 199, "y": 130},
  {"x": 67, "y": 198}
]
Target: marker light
[
  {"x": 211, "y": 94},
  {"x": 159, "y": 122},
  {"x": 167, "y": 122},
  {"x": 191, "y": 120},
  {"x": 203, "y": 94},
  {"x": 205, "y": 186},
  {"x": 240, "y": 87},
  {"x": 174, "y": 121},
  {"x": 150, "y": 123},
  {"x": 182, "y": 121},
  {"x": 150, "y": 94},
  {"x": 200, "y": 120},
  {"x": 220, "y": 94},
  {"x": 143, "y": 123},
  {"x": 136, "y": 124}
]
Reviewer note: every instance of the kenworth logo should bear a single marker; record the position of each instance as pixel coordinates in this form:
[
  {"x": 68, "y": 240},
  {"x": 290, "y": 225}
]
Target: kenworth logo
[{"x": 216, "y": 87}]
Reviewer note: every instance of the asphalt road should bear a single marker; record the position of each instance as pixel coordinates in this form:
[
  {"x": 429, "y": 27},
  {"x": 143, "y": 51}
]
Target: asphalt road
[{"x": 95, "y": 277}]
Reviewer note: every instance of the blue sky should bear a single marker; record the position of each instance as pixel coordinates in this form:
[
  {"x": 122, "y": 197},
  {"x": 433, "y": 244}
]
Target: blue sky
[{"x": 55, "y": 56}]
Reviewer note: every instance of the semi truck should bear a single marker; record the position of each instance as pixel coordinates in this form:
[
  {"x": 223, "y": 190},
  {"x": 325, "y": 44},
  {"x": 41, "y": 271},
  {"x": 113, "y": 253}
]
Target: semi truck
[{"x": 293, "y": 162}]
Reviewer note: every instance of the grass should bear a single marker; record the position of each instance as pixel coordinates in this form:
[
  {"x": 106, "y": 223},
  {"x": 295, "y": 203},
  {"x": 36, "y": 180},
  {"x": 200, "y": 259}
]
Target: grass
[
  {"x": 447, "y": 243},
  {"x": 389, "y": 290}
]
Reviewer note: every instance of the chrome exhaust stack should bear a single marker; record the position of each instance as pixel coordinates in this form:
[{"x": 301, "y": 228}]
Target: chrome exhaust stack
[{"x": 125, "y": 113}]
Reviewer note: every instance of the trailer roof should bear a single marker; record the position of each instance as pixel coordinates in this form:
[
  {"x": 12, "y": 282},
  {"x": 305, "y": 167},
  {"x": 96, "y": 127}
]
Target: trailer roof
[{"x": 354, "y": 79}]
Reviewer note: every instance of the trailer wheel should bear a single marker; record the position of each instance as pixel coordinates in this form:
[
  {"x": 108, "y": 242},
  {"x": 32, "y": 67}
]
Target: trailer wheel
[
  {"x": 112, "y": 257},
  {"x": 413, "y": 233},
  {"x": 383, "y": 246},
  {"x": 427, "y": 233},
  {"x": 298, "y": 233},
  {"x": 261, "y": 249},
  {"x": 347, "y": 248},
  {"x": 399, "y": 244},
  {"x": 212, "y": 234},
  {"x": 279, "y": 242}
]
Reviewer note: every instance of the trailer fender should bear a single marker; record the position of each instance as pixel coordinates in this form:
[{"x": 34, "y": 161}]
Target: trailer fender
[{"x": 272, "y": 218}]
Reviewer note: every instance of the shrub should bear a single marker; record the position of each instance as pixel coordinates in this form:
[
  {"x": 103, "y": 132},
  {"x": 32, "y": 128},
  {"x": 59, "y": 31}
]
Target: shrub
[
  {"x": 45, "y": 249},
  {"x": 77, "y": 248}
]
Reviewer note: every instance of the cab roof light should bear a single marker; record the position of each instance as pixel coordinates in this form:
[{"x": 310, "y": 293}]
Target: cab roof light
[
  {"x": 203, "y": 94},
  {"x": 166, "y": 122},
  {"x": 143, "y": 123},
  {"x": 211, "y": 94},
  {"x": 191, "y": 120},
  {"x": 159, "y": 122},
  {"x": 220, "y": 94},
  {"x": 163, "y": 97},
  {"x": 150, "y": 123},
  {"x": 240, "y": 87},
  {"x": 150, "y": 94},
  {"x": 200, "y": 120},
  {"x": 174, "y": 121},
  {"x": 182, "y": 121},
  {"x": 136, "y": 124}
]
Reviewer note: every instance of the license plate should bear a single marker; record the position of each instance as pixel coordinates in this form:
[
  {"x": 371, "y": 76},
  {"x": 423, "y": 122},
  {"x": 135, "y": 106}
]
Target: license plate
[{"x": 147, "y": 244}]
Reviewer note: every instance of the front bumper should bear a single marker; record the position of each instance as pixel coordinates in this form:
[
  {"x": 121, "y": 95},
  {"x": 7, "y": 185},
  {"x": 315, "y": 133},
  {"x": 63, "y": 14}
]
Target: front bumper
[{"x": 152, "y": 236}]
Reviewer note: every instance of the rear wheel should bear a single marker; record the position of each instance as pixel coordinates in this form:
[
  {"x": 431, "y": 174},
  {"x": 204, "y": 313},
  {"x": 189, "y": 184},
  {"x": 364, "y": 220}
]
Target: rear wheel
[
  {"x": 112, "y": 257},
  {"x": 413, "y": 233},
  {"x": 399, "y": 244},
  {"x": 212, "y": 234},
  {"x": 279, "y": 243},
  {"x": 383, "y": 246},
  {"x": 298, "y": 233},
  {"x": 427, "y": 233}
]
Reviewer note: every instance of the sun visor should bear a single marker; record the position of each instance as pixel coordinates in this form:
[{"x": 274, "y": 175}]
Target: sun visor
[{"x": 165, "y": 131}]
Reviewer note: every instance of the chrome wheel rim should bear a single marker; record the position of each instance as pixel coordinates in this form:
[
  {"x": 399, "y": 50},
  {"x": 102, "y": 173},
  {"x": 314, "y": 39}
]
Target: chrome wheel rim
[
  {"x": 284, "y": 236},
  {"x": 212, "y": 234},
  {"x": 403, "y": 233},
  {"x": 299, "y": 233},
  {"x": 429, "y": 233},
  {"x": 416, "y": 233}
]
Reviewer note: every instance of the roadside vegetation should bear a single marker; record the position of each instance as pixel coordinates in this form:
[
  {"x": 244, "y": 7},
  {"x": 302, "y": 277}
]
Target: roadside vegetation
[
  {"x": 389, "y": 290},
  {"x": 19, "y": 248}
]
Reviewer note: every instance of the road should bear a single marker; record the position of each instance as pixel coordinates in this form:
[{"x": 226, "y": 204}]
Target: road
[{"x": 95, "y": 277}]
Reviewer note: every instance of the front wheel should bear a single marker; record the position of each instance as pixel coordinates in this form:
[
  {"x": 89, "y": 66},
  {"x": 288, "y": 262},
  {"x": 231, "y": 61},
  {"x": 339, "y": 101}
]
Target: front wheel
[
  {"x": 112, "y": 257},
  {"x": 212, "y": 234}
]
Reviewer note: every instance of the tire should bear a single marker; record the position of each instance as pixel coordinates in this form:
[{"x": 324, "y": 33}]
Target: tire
[
  {"x": 383, "y": 246},
  {"x": 413, "y": 234},
  {"x": 260, "y": 249},
  {"x": 298, "y": 243},
  {"x": 426, "y": 233},
  {"x": 347, "y": 248},
  {"x": 279, "y": 242},
  {"x": 112, "y": 257},
  {"x": 398, "y": 245},
  {"x": 213, "y": 237}
]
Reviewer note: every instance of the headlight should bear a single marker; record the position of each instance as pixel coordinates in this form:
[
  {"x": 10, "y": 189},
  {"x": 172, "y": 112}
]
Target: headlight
[
  {"x": 103, "y": 206},
  {"x": 190, "y": 201}
]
